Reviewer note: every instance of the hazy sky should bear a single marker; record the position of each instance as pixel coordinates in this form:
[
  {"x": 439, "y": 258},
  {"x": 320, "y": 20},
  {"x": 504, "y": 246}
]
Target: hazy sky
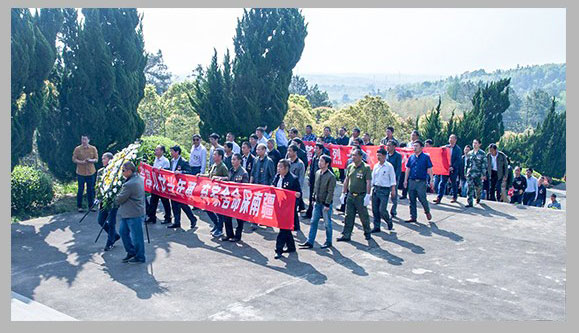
[{"x": 408, "y": 41}]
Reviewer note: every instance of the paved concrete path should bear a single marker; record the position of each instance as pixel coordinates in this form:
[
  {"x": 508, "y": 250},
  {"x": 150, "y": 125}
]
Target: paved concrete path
[{"x": 490, "y": 262}]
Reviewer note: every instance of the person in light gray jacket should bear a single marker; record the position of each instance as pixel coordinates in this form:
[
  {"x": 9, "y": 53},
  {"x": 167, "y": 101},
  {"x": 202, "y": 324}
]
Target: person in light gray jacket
[{"x": 131, "y": 201}]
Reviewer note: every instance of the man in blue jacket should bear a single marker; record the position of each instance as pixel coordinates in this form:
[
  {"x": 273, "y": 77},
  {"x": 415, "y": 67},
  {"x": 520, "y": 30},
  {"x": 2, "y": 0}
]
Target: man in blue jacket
[{"x": 455, "y": 163}]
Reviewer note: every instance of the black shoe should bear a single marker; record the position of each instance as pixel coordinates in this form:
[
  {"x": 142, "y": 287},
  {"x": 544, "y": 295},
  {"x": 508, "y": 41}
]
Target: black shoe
[
  {"x": 390, "y": 225},
  {"x": 288, "y": 251},
  {"x": 343, "y": 239},
  {"x": 402, "y": 198},
  {"x": 225, "y": 238},
  {"x": 375, "y": 230},
  {"x": 326, "y": 245},
  {"x": 117, "y": 237},
  {"x": 392, "y": 214},
  {"x": 134, "y": 260},
  {"x": 469, "y": 205},
  {"x": 193, "y": 224},
  {"x": 278, "y": 256},
  {"x": 234, "y": 239},
  {"x": 108, "y": 247},
  {"x": 174, "y": 226},
  {"x": 368, "y": 237},
  {"x": 151, "y": 220},
  {"x": 306, "y": 245},
  {"x": 128, "y": 257},
  {"x": 166, "y": 221}
]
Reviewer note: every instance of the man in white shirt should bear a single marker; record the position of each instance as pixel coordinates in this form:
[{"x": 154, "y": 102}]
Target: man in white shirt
[
  {"x": 260, "y": 137},
  {"x": 231, "y": 138},
  {"x": 198, "y": 156},
  {"x": 161, "y": 162},
  {"x": 383, "y": 185},
  {"x": 531, "y": 190},
  {"x": 281, "y": 139},
  {"x": 214, "y": 140}
]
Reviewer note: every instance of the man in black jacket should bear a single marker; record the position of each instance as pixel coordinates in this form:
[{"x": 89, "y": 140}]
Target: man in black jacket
[
  {"x": 318, "y": 150},
  {"x": 284, "y": 179},
  {"x": 247, "y": 157},
  {"x": 180, "y": 166}
]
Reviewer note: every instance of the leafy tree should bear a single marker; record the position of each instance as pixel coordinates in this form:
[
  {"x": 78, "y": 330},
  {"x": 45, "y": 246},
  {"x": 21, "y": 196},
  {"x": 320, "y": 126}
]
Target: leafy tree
[
  {"x": 299, "y": 113},
  {"x": 157, "y": 73},
  {"x": 371, "y": 114},
  {"x": 151, "y": 110}
]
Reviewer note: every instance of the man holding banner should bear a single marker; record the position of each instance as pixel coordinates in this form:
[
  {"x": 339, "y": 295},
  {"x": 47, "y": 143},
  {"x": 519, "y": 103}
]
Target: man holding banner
[
  {"x": 284, "y": 179},
  {"x": 455, "y": 155}
]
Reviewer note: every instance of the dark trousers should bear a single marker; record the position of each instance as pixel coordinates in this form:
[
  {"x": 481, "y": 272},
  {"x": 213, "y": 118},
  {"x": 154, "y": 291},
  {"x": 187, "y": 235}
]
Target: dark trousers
[
  {"x": 342, "y": 174},
  {"x": 453, "y": 183},
  {"x": 89, "y": 181},
  {"x": 528, "y": 198},
  {"x": 380, "y": 197},
  {"x": 215, "y": 218},
  {"x": 228, "y": 221},
  {"x": 107, "y": 219},
  {"x": 516, "y": 198},
  {"x": 401, "y": 185},
  {"x": 282, "y": 150},
  {"x": 285, "y": 238},
  {"x": 152, "y": 207},
  {"x": 494, "y": 190},
  {"x": 311, "y": 202},
  {"x": 177, "y": 207},
  {"x": 417, "y": 189}
]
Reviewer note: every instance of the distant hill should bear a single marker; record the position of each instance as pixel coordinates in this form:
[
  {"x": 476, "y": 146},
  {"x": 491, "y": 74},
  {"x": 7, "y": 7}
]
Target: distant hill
[{"x": 532, "y": 87}]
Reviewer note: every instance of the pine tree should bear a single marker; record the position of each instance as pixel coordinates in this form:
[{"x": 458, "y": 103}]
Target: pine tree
[{"x": 157, "y": 73}]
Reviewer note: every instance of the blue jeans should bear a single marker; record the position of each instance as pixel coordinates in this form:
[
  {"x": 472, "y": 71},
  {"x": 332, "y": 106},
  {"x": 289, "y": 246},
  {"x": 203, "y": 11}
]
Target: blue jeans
[
  {"x": 131, "y": 231},
  {"x": 217, "y": 220},
  {"x": 108, "y": 219},
  {"x": 316, "y": 215},
  {"x": 442, "y": 185},
  {"x": 89, "y": 180},
  {"x": 464, "y": 188}
]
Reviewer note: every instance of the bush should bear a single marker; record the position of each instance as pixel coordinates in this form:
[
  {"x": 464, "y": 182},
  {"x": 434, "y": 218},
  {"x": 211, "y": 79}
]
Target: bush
[
  {"x": 30, "y": 188},
  {"x": 149, "y": 143}
]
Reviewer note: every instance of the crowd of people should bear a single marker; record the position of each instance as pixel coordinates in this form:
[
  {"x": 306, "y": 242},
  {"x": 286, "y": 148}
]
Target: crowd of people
[{"x": 279, "y": 159}]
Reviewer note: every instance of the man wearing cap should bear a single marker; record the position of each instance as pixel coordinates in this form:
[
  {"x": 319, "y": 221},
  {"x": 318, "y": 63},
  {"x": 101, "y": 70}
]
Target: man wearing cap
[{"x": 357, "y": 184}]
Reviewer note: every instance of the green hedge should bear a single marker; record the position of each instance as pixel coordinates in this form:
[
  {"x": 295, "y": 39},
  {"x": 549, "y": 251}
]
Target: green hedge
[
  {"x": 149, "y": 143},
  {"x": 30, "y": 188}
]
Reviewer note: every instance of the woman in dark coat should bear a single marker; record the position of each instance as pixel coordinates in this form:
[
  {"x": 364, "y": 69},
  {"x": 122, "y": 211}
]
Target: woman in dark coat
[{"x": 284, "y": 179}]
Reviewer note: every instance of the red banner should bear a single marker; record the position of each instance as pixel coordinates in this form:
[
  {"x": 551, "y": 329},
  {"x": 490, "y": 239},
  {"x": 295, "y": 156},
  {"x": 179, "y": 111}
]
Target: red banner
[
  {"x": 440, "y": 156},
  {"x": 266, "y": 205}
]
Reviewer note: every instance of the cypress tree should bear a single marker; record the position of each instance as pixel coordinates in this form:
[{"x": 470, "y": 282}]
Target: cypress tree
[
  {"x": 485, "y": 121},
  {"x": 101, "y": 83},
  {"x": 432, "y": 127},
  {"x": 33, "y": 54},
  {"x": 268, "y": 44},
  {"x": 548, "y": 144}
]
